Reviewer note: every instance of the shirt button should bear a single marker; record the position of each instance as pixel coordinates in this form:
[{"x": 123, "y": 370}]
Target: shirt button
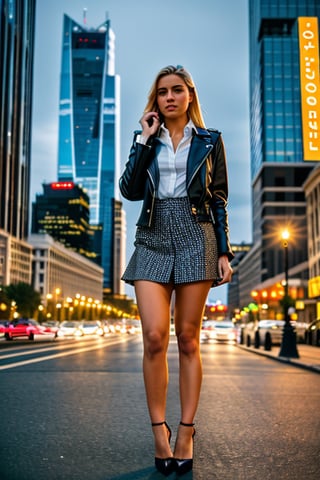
[{"x": 148, "y": 211}]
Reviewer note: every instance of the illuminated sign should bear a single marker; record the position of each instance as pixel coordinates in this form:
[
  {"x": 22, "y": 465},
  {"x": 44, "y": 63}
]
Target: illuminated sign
[
  {"x": 314, "y": 287},
  {"x": 62, "y": 185},
  {"x": 310, "y": 86}
]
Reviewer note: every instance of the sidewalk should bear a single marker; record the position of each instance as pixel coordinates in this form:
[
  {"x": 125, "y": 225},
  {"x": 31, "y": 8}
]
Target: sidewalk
[{"x": 309, "y": 356}]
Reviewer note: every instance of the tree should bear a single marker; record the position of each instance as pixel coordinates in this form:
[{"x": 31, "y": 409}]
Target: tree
[
  {"x": 26, "y": 298},
  {"x": 4, "y": 304}
]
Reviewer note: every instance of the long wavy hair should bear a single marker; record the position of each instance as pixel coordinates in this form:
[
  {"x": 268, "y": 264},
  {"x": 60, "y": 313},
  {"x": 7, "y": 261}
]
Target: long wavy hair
[{"x": 194, "y": 110}]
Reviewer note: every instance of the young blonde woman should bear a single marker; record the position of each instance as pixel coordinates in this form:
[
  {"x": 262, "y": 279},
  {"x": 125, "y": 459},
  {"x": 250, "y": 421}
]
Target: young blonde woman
[{"x": 178, "y": 169}]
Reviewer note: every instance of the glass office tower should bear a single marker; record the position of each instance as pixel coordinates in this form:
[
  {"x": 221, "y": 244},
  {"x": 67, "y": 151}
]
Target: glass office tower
[
  {"x": 88, "y": 151},
  {"x": 17, "y": 24},
  {"x": 278, "y": 169}
]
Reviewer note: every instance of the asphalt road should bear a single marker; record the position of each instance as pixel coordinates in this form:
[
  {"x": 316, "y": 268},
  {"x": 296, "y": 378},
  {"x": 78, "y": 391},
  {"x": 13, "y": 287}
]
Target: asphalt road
[{"x": 75, "y": 410}]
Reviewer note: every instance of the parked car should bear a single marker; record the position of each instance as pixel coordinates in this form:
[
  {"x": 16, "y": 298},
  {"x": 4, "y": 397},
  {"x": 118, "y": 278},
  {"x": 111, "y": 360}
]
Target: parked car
[
  {"x": 267, "y": 333},
  {"x": 117, "y": 326},
  {"x": 133, "y": 326},
  {"x": 312, "y": 333},
  {"x": 263, "y": 333},
  {"x": 27, "y": 327},
  {"x": 68, "y": 328},
  {"x": 300, "y": 329},
  {"x": 51, "y": 323},
  {"x": 89, "y": 327},
  {"x": 219, "y": 331},
  {"x": 3, "y": 325}
]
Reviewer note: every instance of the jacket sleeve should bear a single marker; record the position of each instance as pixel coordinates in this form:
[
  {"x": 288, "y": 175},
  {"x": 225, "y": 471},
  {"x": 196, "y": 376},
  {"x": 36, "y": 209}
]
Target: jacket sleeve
[
  {"x": 219, "y": 200},
  {"x": 132, "y": 182}
]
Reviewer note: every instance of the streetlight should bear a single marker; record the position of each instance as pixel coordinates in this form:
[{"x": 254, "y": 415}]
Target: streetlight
[{"x": 289, "y": 338}]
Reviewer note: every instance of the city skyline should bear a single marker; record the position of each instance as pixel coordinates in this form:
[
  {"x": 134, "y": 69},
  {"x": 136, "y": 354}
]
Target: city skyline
[{"x": 202, "y": 42}]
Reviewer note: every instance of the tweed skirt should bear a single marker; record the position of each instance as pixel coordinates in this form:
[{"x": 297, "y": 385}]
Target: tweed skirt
[{"x": 175, "y": 249}]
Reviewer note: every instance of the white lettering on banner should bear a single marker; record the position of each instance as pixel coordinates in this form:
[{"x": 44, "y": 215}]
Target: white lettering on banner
[{"x": 310, "y": 86}]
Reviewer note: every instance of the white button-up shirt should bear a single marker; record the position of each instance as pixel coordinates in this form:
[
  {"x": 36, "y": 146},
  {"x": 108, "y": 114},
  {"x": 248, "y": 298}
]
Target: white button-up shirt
[{"x": 173, "y": 164}]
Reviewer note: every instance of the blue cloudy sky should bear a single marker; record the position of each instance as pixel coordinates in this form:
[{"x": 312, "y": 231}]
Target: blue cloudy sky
[{"x": 208, "y": 37}]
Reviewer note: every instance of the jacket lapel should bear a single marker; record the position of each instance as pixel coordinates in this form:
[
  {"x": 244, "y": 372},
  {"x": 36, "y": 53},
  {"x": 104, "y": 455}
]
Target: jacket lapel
[{"x": 200, "y": 148}]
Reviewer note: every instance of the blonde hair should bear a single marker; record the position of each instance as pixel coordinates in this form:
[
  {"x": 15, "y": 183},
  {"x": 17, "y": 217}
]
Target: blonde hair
[{"x": 194, "y": 110}]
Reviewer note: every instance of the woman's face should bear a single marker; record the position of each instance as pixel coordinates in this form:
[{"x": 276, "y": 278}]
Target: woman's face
[{"x": 173, "y": 96}]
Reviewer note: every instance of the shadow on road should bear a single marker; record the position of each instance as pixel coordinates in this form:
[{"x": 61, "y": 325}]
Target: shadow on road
[{"x": 147, "y": 474}]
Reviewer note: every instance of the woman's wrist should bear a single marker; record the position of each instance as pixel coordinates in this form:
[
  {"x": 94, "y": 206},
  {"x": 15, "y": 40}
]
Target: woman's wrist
[{"x": 141, "y": 138}]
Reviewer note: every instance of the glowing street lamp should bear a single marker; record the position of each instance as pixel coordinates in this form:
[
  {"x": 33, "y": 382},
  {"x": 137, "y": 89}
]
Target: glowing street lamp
[{"x": 289, "y": 339}]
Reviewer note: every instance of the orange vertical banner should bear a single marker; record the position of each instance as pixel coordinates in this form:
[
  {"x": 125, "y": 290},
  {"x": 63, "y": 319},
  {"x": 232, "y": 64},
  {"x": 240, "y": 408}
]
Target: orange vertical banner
[{"x": 310, "y": 86}]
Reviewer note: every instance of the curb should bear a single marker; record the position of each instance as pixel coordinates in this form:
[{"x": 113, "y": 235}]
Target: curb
[{"x": 290, "y": 361}]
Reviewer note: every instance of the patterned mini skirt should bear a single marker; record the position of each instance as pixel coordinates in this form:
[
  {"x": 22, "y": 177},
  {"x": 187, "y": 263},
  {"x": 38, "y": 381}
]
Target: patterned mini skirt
[{"x": 175, "y": 249}]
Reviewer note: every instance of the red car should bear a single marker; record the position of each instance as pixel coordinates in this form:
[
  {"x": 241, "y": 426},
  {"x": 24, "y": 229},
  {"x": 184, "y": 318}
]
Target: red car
[
  {"x": 3, "y": 325},
  {"x": 24, "y": 327}
]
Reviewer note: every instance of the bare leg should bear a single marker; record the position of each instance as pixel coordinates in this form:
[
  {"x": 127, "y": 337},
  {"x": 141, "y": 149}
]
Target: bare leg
[
  {"x": 190, "y": 302},
  {"x": 154, "y": 307}
]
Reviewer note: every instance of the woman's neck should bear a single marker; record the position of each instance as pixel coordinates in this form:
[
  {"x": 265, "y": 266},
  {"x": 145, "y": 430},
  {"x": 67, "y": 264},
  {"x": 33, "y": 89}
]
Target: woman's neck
[
  {"x": 176, "y": 130},
  {"x": 176, "y": 126}
]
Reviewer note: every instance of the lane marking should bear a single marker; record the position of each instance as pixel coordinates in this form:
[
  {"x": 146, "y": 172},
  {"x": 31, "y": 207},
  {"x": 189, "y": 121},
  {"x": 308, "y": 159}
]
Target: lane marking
[
  {"x": 62, "y": 354},
  {"x": 55, "y": 346}
]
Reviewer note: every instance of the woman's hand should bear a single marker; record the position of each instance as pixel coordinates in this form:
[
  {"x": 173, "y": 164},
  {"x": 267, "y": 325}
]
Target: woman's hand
[
  {"x": 224, "y": 269},
  {"x": 150, "y": 124}
]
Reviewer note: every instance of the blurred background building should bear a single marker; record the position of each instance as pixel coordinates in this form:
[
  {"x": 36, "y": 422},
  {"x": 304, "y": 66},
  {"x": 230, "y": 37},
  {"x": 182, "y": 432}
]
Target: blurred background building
[
  {"x": 62, "y": 211},
  {"x": 89, "y": 125},
  {"x": 17, "y": 25},
  {"x": 280, "y": 158},
  {"x": 60, "y": 272}
]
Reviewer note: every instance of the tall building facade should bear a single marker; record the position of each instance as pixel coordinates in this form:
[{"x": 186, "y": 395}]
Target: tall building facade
[
  {"x": 16, "y": 74},
  {"x": 278, "y": 166},
  {"x": 89, "y": 118},
  {"x": 17, "y": 26}
]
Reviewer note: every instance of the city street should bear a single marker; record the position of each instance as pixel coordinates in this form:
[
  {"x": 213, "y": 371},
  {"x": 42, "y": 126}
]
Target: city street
[{"x": 75, "y": 410}]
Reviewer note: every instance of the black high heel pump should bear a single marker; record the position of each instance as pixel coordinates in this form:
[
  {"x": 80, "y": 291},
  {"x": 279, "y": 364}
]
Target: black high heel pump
[
  {"x": 184, "y": 465},
  {"x": 164, "y": 465}
]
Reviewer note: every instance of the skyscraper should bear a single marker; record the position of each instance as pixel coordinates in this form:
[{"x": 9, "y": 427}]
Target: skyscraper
[
  {"x": 278, "y": 166},
  {"x": 88, "y": 152},
  {"x": 17, "y": 24},
  {"x": 275, "y": 93}
]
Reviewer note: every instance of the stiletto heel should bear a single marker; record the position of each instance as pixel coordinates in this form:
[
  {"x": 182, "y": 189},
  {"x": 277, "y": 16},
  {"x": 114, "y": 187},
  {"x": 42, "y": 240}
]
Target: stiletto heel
[
  {"x": 164, "y": 465},
  {"x": 184, "y": 465}
]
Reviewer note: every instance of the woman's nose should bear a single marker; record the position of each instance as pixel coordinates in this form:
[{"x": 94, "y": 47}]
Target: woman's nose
[{"x": 169, "y": 95}]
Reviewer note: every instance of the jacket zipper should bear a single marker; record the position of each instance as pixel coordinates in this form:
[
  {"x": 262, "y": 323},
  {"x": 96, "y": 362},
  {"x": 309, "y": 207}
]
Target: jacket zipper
[{"x": 153, "y": 198}]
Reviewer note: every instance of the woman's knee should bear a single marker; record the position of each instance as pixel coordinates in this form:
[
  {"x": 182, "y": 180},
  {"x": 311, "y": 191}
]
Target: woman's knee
[
  {"x": 188, "y": 343},
  {"x": 155, "y": 343}
]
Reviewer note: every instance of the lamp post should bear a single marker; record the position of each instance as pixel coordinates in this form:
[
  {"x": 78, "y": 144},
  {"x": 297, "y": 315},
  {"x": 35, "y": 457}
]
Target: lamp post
[{"x": 289, "y": 338}]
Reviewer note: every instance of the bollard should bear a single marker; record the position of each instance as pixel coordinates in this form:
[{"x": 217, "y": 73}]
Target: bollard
[
  {"x": 257, "y": 340},
  {"x": 268, "y": 342}
]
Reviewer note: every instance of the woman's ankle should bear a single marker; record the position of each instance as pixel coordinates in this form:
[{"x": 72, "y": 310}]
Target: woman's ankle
[
  {"x": 162, "y": 436},
  {"x": 184, "y": 441}
]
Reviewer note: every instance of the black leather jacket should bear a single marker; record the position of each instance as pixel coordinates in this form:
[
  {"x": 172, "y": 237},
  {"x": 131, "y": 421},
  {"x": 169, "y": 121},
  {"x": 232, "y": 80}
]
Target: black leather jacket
[{"x": 207, "y": 182}]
